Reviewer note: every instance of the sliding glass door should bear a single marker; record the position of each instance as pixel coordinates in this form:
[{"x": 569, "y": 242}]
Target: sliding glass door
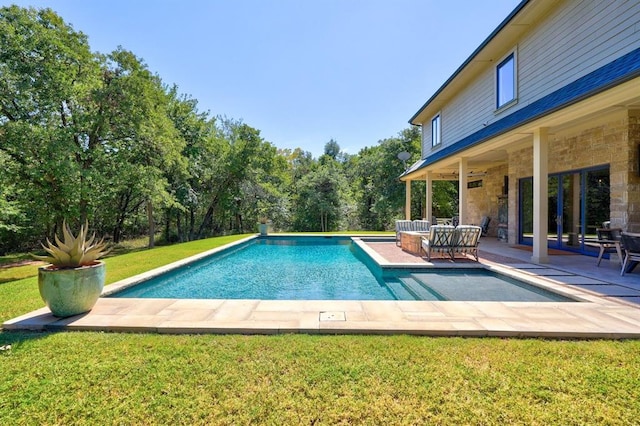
[{"x": 578, "y": 203}]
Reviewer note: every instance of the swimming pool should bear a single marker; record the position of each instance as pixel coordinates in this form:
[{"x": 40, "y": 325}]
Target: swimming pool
[{"x": 325, "y": 268}]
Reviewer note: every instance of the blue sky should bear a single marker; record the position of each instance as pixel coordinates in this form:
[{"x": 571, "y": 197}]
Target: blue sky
[{"x": 300, "y": 71}]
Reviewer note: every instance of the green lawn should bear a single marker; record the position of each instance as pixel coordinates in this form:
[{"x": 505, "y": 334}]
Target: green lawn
[{"x": 109, "y": 378}]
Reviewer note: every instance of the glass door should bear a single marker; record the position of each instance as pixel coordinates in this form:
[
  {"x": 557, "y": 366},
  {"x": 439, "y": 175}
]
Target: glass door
[
  {"x": 597, "y": 206},
  {"x": 570, "y": 231},
  {"x": 578, "y": 204},
  {"x": 554, "y": 219},
  {"x": 525, "y": 232}
]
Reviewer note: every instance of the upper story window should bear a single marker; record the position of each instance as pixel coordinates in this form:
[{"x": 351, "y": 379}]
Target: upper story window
[
  {"x": 506, "y": 81},
  {"x": 435, "y": 130}
]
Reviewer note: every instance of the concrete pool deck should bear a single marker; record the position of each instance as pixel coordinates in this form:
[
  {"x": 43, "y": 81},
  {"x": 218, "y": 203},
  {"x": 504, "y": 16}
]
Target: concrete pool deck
[{"x": 605, "y": 309}]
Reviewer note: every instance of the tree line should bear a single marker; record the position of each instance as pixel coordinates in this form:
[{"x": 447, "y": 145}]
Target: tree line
[{"x": 87, "y": 136}]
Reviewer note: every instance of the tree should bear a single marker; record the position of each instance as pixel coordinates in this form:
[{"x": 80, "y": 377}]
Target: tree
[
  {"x": 332, "y": 149},
  {"x": 47, "y": 71},
  {"x": 198, "y": 131},
  {"x": 99, "y": 137},
  {"x": 375, "y": 172},
  {"x": 318, "y": 200},
  {"x": 138, "y": 143},
  {"x": 235, "y": 147}
]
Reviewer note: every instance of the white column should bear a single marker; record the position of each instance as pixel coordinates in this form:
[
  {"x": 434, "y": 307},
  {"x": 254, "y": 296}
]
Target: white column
[
  {"x": 429, "y": 198},
  {"x": 540, "y": 195},
  {"x": 462, "y": 191},
  {"x": 407, "y": 200}
]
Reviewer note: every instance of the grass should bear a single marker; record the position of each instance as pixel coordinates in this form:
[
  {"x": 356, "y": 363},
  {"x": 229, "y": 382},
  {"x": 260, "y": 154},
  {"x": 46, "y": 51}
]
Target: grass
[{"x": 113, "y": 378}]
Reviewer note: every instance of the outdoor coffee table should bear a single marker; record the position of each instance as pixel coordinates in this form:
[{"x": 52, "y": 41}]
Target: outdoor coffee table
[{"x": 412, "y": 242}]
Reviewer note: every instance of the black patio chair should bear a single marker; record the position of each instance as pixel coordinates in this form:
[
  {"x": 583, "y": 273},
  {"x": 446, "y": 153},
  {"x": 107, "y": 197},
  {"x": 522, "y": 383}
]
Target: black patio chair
[
  {"x": 484, "y": 224},
  {"x": 631, "y": 246},
  {"x": 609, "y": 240}
]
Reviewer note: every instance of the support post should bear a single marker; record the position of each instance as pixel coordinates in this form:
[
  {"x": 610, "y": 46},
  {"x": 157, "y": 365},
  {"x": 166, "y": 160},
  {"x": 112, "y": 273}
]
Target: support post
[
  {"x": 407, "y": 201},
  {"x": 462, "y": 191},
  {"x": 540, "y": 195},
  {"x": 429, "y": 198}
]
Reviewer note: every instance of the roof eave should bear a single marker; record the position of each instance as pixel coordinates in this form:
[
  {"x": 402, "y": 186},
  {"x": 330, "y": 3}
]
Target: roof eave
[{"x": 475, "y": 53}]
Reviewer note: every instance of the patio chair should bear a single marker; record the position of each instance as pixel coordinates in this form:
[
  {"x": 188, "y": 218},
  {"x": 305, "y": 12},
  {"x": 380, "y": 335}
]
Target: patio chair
[
  {"x": 467, "y": 238},
  {"x": 609, "y": 241},
  {"x": 402, "y": 226},
  {"x": 484, "y": 224},
  {"x": 440, "y": 239},
  {"x": 442, "y": 221},
  {"x": 631, "y": 245},
  {"x": 421, "y": 226}
]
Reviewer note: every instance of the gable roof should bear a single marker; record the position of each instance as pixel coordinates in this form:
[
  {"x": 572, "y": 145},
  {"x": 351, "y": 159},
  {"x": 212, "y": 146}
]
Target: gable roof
[{"x": 623, "y": 69}]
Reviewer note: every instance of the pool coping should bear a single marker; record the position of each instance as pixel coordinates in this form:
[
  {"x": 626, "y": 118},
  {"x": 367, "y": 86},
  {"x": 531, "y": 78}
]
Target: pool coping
[{"x": 591, "y": 316}]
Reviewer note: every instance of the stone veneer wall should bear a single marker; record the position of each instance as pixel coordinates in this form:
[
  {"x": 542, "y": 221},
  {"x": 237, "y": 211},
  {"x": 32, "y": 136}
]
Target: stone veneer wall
[
  {"x": 614, "y": 143},
  {"x": 483, "y": 201},
  {"x": 633, "y": 175}
]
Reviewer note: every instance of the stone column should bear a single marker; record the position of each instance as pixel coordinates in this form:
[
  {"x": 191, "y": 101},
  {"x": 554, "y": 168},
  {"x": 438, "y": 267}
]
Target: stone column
[{"x": 540, "y": 195}]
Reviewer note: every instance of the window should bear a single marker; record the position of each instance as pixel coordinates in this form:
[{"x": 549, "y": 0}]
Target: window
[
  {"x": 435, "y": 130},
  {"x": 506, "y": 81}
]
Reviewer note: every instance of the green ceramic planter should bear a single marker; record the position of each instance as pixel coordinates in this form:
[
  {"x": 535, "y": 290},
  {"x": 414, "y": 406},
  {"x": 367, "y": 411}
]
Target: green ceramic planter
[{"x": 70, "y": 292}]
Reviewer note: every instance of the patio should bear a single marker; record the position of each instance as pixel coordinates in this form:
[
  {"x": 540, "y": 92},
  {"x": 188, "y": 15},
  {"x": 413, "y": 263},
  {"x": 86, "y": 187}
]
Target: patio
[{"x": 607, "y": 306}]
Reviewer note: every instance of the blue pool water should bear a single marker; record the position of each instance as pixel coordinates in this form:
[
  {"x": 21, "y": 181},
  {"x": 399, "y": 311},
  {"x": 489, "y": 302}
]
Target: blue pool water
[
  {"x": 317, "y": 268},
  {"x": 310, "y": 269}
]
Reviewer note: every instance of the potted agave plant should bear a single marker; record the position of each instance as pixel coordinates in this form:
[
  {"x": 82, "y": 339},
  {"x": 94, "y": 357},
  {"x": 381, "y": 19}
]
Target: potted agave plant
[
  {"x": 74, "y": 279},
  {"x": 263, "y": 225}
]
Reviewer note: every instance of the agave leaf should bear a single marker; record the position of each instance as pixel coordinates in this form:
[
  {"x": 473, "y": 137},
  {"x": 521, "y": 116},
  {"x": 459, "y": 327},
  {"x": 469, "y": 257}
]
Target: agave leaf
[
  {"x": 60, "y": 244},
  {"x": 82, "y": 234},
  {"x": 51, "y": 249},
  {"x": 47, "y": 259},
  {"x": 94, "y": 253},
  {"x": 73, "y": 251},
  {"x": 62, "y": 257},
  {"x": 57, "y": 256},
  {"x": 68, "y": 235},
  {"x": 90, "y": 240},
  {"x": 76, "y": 259}
]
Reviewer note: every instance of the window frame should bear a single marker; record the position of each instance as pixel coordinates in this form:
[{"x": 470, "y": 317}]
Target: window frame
[
  {"x": 512, "y": 56},
  {"x": 436, "y": 134}
]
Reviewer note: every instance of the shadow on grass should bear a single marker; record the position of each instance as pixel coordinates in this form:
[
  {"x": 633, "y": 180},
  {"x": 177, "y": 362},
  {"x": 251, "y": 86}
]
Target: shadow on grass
[{"x": 12, "y": 339}]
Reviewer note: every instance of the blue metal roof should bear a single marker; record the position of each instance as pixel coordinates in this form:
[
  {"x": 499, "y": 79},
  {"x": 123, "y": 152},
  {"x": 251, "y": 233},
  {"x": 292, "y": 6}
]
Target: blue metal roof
[{"x": 614, "y": 73}]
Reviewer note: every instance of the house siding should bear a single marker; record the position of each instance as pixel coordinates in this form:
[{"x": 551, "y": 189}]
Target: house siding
[
  {"x": 579, "y": 38},
  {"x": 574, "y": 39}
]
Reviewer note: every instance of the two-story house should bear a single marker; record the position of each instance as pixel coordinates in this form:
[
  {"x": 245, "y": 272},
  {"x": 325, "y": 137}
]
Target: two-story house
[{"x": 541, "y": 126}]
